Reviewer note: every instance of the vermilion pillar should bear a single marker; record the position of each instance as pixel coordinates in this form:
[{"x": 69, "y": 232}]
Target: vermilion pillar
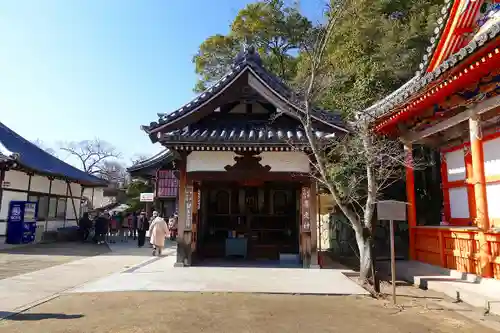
[
  {"x": 410, "y": 197},
  {"x": 479, "y": 182}
]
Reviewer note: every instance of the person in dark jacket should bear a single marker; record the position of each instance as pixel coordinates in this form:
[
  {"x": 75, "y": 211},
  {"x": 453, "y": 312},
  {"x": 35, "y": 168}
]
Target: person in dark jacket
[
  {"x": 101, "y": 228},
  {"x": 135, "y": 219},
  {"x": 84, "y": 225},
  {"x": 142, "y": 228}
]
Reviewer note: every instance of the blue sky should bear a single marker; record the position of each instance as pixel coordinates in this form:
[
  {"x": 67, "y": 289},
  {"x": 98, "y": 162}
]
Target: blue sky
[{"x": 77, "y": 69}]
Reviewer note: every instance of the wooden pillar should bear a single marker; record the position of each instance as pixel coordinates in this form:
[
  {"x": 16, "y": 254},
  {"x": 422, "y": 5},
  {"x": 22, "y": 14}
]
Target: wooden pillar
[
  {"x": 184, "y": 221},
  {"x": 314, "y": 209},
  {"x": 156, "y": 203},
  {"x": 479, "y": 183},
  {"x": 195, "y": 217},
  {"x": 2, "y": 178},
  {"x": 410, "y": 198},
  {"x": 48, "y": 201}
]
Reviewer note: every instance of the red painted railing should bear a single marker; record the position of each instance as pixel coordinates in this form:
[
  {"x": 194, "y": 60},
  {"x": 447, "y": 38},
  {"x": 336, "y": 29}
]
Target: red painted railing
[{"x": 456, "y": 248}]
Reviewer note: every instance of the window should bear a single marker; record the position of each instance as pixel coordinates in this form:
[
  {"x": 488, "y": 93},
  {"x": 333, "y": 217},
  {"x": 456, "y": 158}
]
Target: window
[
  {"x": 167, "y": 184},
  {"x": 43, "y": 202},
  {"x": 53, "y": 208},
  {"x": 61, "y": 208}
]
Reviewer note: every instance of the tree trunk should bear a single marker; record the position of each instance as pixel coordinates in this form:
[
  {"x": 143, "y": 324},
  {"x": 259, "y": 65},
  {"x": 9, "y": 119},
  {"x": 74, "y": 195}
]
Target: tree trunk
[{"x": 365, "y": 254}]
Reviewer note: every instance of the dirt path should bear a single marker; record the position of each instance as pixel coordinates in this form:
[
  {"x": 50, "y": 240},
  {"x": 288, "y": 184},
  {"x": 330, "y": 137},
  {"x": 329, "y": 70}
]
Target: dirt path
[
  {"x": 196, "y": 312},
  {"x": 28, "y": 259}
]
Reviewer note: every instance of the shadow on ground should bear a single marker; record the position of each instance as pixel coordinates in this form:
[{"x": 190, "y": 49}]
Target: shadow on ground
[
  {"x": 37, "y": 316},
  {"x": 78, "y": 249}
]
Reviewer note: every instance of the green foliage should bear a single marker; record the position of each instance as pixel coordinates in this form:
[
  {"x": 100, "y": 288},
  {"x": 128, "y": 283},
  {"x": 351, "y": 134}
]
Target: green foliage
[
  {"x": 213, "y": 59},
  {"x": 134, "y": 191},
  {"x": 375, "y": 48},
  {"x": 275, "y": 30}
]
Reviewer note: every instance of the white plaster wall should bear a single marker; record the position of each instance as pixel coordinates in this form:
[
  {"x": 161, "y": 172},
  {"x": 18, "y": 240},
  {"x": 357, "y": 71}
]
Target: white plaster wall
[
  {"x": 19, "y": 181},
  {"x": 459, "y": 203},
  {"x": 209, "y": 160},
  {"x": 16, "y": 180},
  {"x": 70, "y": 211},
  {"x": 54, "y": 225},
  {"x": 491, "y": 150},
  {"x": 39, "y": 184},
  {"x": 217, "y": 160},
  {"x": 76, "y": 190},
  {"x": 455, "y": 165},
  {"x": 493, "y": 199},
  {"x": 99, "y": 199},
  {"x": 59, "y": 187},
  {"x": 286, "y": 161}
]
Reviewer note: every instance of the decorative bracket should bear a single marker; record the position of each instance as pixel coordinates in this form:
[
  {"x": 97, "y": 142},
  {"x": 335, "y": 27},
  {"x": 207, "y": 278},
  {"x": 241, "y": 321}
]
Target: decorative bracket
[{"x": 248, "y": 162}]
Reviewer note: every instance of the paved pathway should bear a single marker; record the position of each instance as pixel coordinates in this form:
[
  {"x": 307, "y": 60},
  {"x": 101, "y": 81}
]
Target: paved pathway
[
  {"x": 23, "y": 291},
  {"x": 160, "y": 275},
  {"x": 21, "y": 260}
]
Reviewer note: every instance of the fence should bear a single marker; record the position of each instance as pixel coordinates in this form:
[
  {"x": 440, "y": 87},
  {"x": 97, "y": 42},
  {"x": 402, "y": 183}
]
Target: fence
[{"x": 456, "y": 249}]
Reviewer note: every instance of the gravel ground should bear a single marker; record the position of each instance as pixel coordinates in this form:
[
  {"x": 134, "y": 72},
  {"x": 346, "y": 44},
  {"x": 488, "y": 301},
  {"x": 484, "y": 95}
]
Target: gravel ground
[
  {"x": 197, "y": 312},
  {"x": 35, "y": 257}
]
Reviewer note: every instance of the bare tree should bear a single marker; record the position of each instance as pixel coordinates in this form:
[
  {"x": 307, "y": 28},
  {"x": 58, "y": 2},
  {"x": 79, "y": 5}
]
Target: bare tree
[
  {"x": 354, "y": 168},
  {"x": 137, "y": 158},
  {"x": 91, "y": 154},
  {"x": 114, "y": 172},
  {"x": 40, "y": 144}
]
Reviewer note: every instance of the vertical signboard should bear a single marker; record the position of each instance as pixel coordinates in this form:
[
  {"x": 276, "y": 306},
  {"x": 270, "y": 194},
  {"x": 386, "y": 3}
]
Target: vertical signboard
[
  {"x": 305, "y": 204},
  {"x": 189, "y": 206}
]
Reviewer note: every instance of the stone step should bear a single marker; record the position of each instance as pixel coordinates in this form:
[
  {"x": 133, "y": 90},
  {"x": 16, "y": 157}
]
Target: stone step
[{"x": 469, "y": 288}]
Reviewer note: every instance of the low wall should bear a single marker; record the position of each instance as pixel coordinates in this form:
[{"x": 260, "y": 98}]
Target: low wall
[{"x": 455, "y": 248}]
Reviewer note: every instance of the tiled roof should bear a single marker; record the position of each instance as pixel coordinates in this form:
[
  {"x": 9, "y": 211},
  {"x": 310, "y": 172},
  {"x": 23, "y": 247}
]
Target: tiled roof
[
  {"x": 5, "y": 159},
  {"x": 5, "y": 155},
  {"x": 422, "y": 78},
  {"x": 262, "y": 136},
  {"x": 162, "y": 157},
  {"x": 248, "y": 59},
  {"x": 434, "y": 40},
  {"x": 31, "y": 157}
]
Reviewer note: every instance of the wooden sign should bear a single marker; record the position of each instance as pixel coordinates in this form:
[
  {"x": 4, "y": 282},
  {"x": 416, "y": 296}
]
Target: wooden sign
[
  {"x": 391, "y": 210},
  {"x": 189, "y": 206},
  {"x": 305, "y": 204},
  {"x": 147, "y": 197}
]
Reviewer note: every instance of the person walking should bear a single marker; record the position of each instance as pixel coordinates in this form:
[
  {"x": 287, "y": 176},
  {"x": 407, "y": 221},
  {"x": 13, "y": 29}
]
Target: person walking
[
  {"x": 113, "y": 228},
  {"x": 84, "y": 226},
  {"x": 142, "y": 227},
  {"x": 134, "y": 225},
  {"x": 101, "y": 228},
  {"x": 172, "y": 226},
  {"x": 158, "y": 232},
  {"x": 124, "y": 227}
]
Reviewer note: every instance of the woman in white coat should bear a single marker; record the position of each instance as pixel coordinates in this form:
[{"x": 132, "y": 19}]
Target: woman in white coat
[{"x": 158, "y": 231}]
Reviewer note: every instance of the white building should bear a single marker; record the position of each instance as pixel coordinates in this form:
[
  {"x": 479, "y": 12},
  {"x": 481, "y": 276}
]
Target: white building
[{"x": 29, "y": 173}]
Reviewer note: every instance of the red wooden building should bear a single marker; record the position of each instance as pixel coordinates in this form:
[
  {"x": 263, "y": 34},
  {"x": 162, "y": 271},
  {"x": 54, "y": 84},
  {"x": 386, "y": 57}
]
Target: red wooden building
[
  {"x": 160, "y": 172},
  {"x": 452, "y": 105}
]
